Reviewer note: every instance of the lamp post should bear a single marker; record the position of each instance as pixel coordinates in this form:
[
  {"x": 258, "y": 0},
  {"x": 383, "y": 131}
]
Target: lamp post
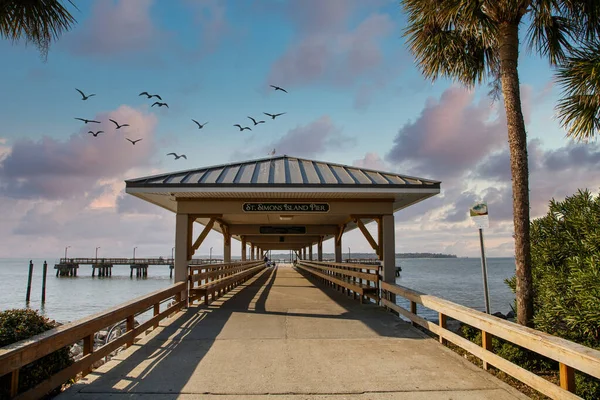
[
  {"x": 66, "y": 252},
  {"x": 172, "y": 256},
  {"x": 349, "y": 253},
  {"x": 97, "y": 254},
  {"x": 134, "y": 253},
  {"x": 210, "y": 256}
]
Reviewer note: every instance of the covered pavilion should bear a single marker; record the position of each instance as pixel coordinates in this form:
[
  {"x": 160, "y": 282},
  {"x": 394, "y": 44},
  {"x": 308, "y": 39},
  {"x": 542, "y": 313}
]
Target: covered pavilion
[{"x": 282, "y": 203}]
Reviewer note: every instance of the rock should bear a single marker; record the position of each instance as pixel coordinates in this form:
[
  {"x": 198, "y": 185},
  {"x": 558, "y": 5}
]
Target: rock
[
  {"x": 76, "y": 350},
  {"x": 98, "y": 363},
  {"x": 499, "y": 315},
  {"x": 101, "y": 335}
]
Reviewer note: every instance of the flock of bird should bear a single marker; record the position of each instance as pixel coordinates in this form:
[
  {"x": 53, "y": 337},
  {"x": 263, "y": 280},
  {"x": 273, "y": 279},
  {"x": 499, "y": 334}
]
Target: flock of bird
[{"x": 160, "y": 103}]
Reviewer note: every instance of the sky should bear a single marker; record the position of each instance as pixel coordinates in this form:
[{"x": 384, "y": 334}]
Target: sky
[{"x": 355, "y": 97}]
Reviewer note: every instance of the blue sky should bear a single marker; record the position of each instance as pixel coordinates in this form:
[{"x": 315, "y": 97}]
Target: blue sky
[{"x": 355, "y": 97}]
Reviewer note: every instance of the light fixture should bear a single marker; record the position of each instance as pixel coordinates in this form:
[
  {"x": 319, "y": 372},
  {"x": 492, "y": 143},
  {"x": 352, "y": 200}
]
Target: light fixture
[{"x": 286, "y": 217}]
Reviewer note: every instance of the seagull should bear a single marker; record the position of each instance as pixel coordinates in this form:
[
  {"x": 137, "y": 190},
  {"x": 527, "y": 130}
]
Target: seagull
[
  {"x": 176, "y": 156},
  {"x": 117, "y": 124},
  {"x": 133, "y": 142},
  {"x": 88, "y": 120},
  {"x": 84, "y": 97},
  {"x": 200, "y": 126},
  {"x": 256, "y": 122},
  {"x": 159, "y": 104},
  {"x": 150, "y": 95},
  {"x": 274, "y": 115},
  {"x": 278, "y": 88},
  {"x": 241, "y": 129},
  {"x": 272, "y": 152},
  {"x": 96, "y": 133}
]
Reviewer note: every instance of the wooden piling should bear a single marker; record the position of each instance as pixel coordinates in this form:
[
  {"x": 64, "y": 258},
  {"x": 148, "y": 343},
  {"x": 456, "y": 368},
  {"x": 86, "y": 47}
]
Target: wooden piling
[
  {"x": 28, "y": 296},
  {"x": 45, "y": 271}
]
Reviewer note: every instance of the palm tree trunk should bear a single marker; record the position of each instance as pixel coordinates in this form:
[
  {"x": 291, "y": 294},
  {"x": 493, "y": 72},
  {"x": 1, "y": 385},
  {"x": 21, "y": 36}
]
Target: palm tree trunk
[{"x": 517, "y": 140}]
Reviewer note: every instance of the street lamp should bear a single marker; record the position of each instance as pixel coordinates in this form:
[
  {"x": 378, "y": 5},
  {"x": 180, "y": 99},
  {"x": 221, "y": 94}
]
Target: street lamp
[
  {"x": 134, "y": 253},
  {"x": 97, "y": 253},
  {"x": 349, "y": 253},
  {"x": 66, "y": 252},
  {"x": 172, "y": 250},
  {"x": 210, "y": 256}
]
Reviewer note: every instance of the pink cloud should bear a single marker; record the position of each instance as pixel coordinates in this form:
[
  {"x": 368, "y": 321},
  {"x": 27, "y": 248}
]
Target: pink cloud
[
  {"x": 55, "y": 169},
  {"x": 326, "y": 49},
  {"x": 372, "y": 161},
  {"x": 116, "y": 28},
  {"x": 210, "y": 17}
]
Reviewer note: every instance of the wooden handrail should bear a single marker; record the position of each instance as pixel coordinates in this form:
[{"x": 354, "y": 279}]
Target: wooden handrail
[
  {"x": 19, "y": 354},
  {"x": 338, "y": 270},
  {"x": 570, "y": 355},
  {"x": 349, "y": 266},
  {"x": 226, "y": 270},
  {"x": 195, "y": 268}
]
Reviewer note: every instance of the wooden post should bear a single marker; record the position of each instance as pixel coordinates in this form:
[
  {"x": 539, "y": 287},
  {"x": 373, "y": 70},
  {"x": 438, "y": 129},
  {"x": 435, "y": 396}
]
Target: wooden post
[
  {"x": 14, "y": 383},
  {"x": 88, "y": 348},
  {"x": 28, "y": 296},
  {"x": 130, "y": 323},
  {"x": 486, "y": 343},
  {"x": 413, "y": 309},
  {"x": 567, "y": 377},
  {"x": 443, "y": 320},
  {"x": 44, "y": 272}
]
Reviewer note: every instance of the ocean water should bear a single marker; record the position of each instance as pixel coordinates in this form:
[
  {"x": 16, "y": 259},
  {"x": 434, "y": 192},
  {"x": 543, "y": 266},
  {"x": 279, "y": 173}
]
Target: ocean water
[{"x": 70, "y": 298}]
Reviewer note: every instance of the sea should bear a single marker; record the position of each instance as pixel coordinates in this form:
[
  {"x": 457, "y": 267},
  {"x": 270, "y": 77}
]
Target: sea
[{"x": 71, "y": 298}]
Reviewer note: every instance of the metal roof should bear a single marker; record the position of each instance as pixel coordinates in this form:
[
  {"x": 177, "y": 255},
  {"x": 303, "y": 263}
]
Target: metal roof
[{"x": 282, "y": 172}]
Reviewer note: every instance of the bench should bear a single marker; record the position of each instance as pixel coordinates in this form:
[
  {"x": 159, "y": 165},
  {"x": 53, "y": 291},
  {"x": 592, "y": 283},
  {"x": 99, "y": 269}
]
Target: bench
[
  {"x": 226, "y": 279},
  {"x": 345, "y": 278}
]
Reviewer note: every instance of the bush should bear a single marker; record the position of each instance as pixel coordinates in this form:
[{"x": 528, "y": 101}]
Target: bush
[
  {"x": 565, "y": 262},
  {"x": 20, "y": 324}
]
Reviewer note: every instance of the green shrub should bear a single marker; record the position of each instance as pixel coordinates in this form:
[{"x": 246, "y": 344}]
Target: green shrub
[
  {"x": 565, "y": 262},
  {"x": 20, "y": 324}
]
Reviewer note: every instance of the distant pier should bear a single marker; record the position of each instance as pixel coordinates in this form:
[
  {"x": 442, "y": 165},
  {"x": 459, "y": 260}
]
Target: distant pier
[{"x": 102, "y": 267}]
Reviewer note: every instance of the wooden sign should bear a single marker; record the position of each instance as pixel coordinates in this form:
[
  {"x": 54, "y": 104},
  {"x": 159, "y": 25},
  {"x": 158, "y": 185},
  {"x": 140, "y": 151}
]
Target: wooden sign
[{"x": 287, "y": 207}]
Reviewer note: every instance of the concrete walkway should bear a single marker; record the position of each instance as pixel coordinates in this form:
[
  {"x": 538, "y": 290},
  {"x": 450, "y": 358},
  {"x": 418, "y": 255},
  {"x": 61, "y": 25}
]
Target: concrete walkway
[{"x": 281, "y": 337}]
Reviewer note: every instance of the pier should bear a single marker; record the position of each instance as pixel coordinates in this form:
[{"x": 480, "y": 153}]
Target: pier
[{"x": 313, "y": 330}]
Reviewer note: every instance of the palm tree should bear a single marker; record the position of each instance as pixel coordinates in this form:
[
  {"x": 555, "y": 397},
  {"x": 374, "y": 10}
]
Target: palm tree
[
  {"x": 472, "y": 41},
  {"x": 37, "y": 21}
]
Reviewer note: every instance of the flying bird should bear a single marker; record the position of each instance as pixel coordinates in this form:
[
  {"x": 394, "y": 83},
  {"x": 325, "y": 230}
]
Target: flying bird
[
  {"x": 117, "y": 124},
  {"x": 274, "y": 115},
  {"x": 83, "y": 96},
  {"x": 88, "y": 120},
  {"x": 278, "y": 88},
  {"x": 150, "y": 95},
  {"x": 159, "y": 104},
  {"x": 256, "y": 122},
  {"x": 241, "y": 129},
  {"x": 133, "y": 142},
  {"x": 176, "y": 156},
  {"x": 95, "y": 133},
  {"x": 200, "y": 126}
]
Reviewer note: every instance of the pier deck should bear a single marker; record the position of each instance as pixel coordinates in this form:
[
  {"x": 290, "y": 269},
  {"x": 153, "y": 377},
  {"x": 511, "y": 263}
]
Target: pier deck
[{"x": 279, "y": 336}]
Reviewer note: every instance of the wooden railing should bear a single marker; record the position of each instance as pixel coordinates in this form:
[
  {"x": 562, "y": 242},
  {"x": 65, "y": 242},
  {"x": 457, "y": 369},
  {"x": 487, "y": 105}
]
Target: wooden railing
[
  {"x": 570, "y": 356},
  {"x": 19, "y": 354},
  {"x": 366, "y": 261},
  {"x": 216, "y": 279},
  {"x": 360, "y": 280},
  {"x": 137, "y": 260}
]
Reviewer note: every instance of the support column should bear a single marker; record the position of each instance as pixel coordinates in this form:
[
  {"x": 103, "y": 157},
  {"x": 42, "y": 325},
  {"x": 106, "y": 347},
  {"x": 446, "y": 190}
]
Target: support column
[
  {"x": 226, "y": 245},
  {"x": 320, "y": 249},
  {"x": 310, "y": 252},
  {"x": 338, "y": 246},
  {"x": 389, "y": 248},
  {"x": 252, "y": 257},
  {"x": 183, "y": 239},
  {"x": 243, "y": 248}
]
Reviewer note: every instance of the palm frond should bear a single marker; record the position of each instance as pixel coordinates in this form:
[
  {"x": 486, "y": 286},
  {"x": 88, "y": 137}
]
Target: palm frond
[
  {"x": 451, "y": 39},
  {"x": 36, "y": 21},
  {"x": 579, "y": 75},
  {"x": 549, "y": 32},
  {"x": 586, "y": 14}
]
